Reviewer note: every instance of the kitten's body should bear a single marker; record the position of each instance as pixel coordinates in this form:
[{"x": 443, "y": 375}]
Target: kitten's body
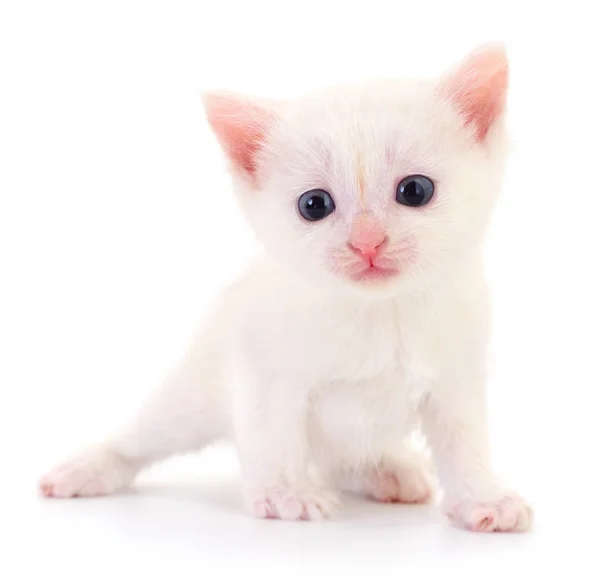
[{"x": 321, "y": 380}]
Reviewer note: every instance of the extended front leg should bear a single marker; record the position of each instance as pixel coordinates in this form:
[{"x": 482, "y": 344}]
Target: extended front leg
[
  {"x": 271, "y": 433},
  {"x": 454, "y": 422}
]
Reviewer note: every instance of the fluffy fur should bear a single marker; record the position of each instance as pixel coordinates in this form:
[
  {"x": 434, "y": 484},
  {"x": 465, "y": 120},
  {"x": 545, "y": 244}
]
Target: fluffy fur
[{"x": 353, "y": 332}]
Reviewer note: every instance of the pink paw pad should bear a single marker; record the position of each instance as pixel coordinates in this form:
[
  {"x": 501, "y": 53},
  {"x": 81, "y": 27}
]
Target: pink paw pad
[
  {"x": 285, "y": 504},
  {"x": 508, "y": 514}
]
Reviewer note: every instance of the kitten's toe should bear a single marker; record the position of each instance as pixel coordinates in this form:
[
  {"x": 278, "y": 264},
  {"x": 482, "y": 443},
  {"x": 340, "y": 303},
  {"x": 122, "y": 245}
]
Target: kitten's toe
[
  {"x": 509, "y": 513},
  {"x": 287, "y": 504},
  {"x": 97, "y": 472}
]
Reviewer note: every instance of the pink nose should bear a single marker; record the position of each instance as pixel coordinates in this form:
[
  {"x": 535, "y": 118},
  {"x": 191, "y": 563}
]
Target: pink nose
[
  {"x": 367, "y": 237},
  {"x": 367, "y": 251}
]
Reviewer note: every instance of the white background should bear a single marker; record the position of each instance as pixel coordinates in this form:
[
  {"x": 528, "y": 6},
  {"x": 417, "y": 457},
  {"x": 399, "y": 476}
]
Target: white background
[{"x": 117, "y": 228}]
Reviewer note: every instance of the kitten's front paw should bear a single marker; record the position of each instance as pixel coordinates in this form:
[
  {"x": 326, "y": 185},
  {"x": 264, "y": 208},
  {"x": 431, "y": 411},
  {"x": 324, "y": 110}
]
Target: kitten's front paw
[
  {"x": 97, "y": 472},
  {"x": 507, "y": 514},
  {"x": 287, "y": 504}
]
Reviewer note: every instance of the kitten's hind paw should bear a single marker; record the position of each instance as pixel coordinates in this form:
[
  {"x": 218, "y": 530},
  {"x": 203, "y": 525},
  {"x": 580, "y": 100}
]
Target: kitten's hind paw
[
  {"x": 99, "y": 471},
  {"x": 402, "y": 485},
  {"x": 406, "y": 478}
]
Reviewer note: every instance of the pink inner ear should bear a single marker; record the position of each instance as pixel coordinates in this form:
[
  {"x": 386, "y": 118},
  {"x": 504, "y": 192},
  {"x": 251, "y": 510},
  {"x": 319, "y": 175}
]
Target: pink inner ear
[
  {"x": 478, "y": 89},
  {"x": 241, "y": 127}
]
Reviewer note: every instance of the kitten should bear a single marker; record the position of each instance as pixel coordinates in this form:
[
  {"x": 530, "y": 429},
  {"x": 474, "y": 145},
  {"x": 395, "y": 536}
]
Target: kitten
[{"x": 367, "y": 318}]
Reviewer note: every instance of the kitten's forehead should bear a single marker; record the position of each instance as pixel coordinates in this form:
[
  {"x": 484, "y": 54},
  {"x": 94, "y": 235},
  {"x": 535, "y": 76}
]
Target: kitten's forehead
[
  {"x": 359, "y": 113},
  {"x": 370, "y": 123},
  {"x": 355, "y": 140}
]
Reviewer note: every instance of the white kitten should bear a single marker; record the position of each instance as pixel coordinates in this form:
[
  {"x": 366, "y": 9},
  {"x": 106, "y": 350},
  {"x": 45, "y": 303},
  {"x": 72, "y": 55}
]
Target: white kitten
[{"x": 366, "y": 320}]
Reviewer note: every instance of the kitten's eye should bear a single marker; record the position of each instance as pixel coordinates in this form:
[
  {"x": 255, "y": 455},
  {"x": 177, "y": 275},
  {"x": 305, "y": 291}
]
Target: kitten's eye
[
  {"x": 414, "y": 190},
  {"x": 315, "y": 205}
]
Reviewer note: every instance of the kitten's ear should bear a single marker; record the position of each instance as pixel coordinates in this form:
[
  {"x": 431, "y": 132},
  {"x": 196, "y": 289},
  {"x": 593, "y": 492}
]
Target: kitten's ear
[
  {"x": 241, "y": 125},
  {"x": 477, "y": 88}
]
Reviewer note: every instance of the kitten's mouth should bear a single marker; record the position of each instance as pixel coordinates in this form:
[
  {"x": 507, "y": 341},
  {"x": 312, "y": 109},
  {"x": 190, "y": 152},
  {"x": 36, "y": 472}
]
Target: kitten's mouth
[{"x": 374, "y": 273}]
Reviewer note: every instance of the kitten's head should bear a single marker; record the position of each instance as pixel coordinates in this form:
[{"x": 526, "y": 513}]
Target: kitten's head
[{"x": 374, "y": 186}]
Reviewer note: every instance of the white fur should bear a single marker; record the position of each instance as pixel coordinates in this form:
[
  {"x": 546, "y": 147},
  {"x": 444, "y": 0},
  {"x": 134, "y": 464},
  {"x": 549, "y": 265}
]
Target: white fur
[{"x": 322, "y": 381}]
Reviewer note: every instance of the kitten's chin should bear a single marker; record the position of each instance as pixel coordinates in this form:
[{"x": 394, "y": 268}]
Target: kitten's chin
[
  {"x": 374, "y": 281},
  {"x": 383, "y": 276}
]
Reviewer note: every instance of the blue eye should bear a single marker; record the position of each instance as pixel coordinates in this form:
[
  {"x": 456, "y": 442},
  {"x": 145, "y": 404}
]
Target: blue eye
[
  {"x": 315, "y": 205},
  {"x": 414, "y": 191}
]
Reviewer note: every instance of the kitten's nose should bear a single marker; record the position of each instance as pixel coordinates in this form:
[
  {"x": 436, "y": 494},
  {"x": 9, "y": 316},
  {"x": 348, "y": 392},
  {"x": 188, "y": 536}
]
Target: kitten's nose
[
  {"x": 368, "y": 251},
  {"x": 367, "y": 236}
]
